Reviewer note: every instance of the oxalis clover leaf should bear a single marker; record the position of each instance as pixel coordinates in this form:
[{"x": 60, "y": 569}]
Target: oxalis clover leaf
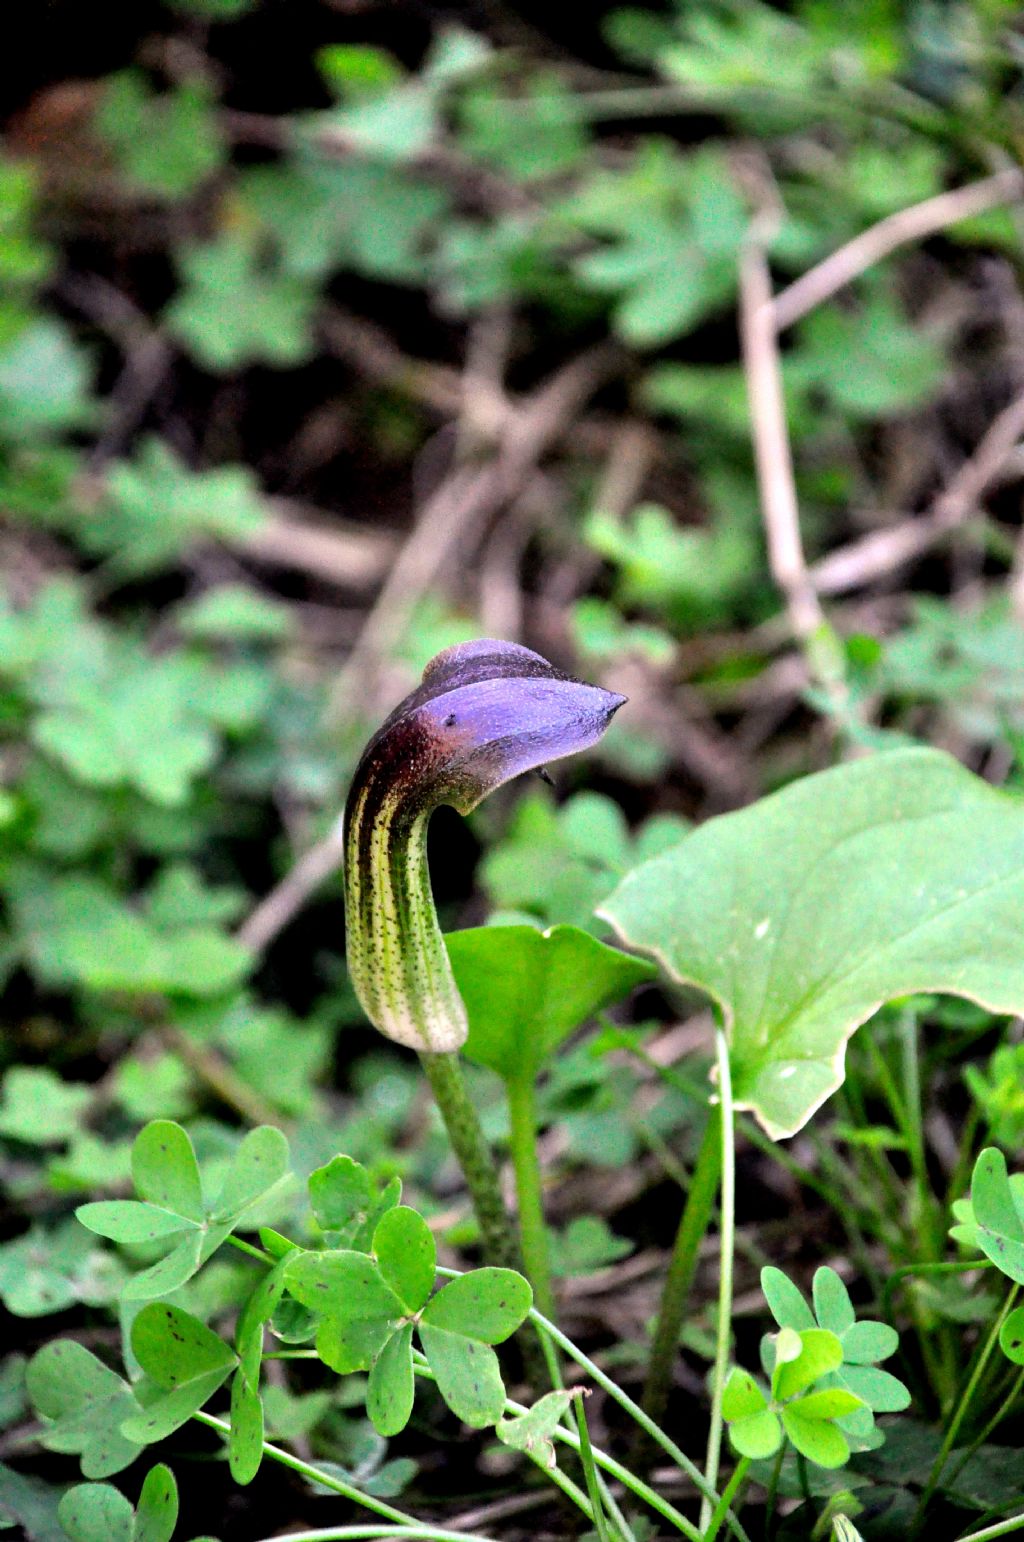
[
  {"x": 863, "y": 1344},
  {"x": 992, "y": 1220},
  {"x": 369, "y": 1306},
  {"x": 799, "y": 1407},
  {"x": 98, "y": 1512},
  {"x": 173, "y": 1212},
  {"x": 82, "y": 1404}
]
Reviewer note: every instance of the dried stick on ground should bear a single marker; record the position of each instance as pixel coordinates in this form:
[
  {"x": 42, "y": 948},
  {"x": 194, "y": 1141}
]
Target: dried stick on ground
[
  {"x": 287, "y": 898},
  {"x": 883, "y": 551},
  {"x": 772, "y": 454},
  {"x": 896, "y": 230},
  {"x": 338, "y": 552},
  {"x": 463, "y": 502}
]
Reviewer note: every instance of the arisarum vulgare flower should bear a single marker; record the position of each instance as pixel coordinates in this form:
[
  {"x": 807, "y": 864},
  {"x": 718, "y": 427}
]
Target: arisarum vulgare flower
[{"x": 485, "y": 712}]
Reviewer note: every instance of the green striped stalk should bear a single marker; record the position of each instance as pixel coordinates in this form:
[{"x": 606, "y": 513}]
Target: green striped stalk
[{"x": 485, "y": 712}]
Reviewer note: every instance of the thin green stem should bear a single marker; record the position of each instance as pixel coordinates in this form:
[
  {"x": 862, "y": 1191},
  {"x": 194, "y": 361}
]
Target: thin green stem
[
  {"x": 248, "y": 1247},
  {"x": 636, "y": 1413},
  {"x": 729, "y": 1493},
  {"x": 953, "y": 1429},
  {"x": 590, "y": 1474},
  {"x": 424, "y": 1533},
  {"x": 773, "y": 1493},
  {"x": 1000, "y": 1529},
  {"x": 607, "y": 1463},
  {"x": 727, "y": 1244},
  {"x": 991, "y": 1426},
  {"x": 693, "y": 1225},
  {"x": 474, "y": 1157},
  {"x": 898, "y": 1276},
  {"x": 533, "y": 1234},
  {"x": 314, "y": 1475}
]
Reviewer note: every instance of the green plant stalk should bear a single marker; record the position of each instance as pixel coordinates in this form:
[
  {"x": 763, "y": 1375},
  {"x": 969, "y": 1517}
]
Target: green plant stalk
[
  {"x": 648, "y": 1425},
  {"x": 474, "y": 1157},
  {"x": 314, "y": 1475},
  {"x": 727, "y": 1245},
  {"x": 533, "y": 1233},
  {"x": 953, "y": 1429},
  {"x": 693, "y": 1225},
  {"x": 729, "y": 1493},
  {"x": 993, "y": 1424},
  {"x": 602, "y": 1460},
  {"x": 590, "y": 1474},
  {"x": 636, "y": 1413},
  {"x": 425, "y": 1533},
  {"x": 1001, "y": 1529}
]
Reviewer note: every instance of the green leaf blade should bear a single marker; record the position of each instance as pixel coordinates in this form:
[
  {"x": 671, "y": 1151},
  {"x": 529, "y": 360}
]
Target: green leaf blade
[{"x": 887, "y": 876}]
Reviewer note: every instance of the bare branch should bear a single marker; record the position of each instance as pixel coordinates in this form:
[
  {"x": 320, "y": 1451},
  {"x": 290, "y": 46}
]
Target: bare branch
[
  {"x": 883, "y": 551},
  {"x": 896, "y": 230},
  {"x": 286, "y": 899},
  {"x": 771, "y": 443}
]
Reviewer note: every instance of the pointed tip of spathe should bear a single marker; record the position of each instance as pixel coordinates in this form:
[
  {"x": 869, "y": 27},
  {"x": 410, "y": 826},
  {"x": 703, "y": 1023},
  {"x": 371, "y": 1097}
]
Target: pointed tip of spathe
[{"x": 614, "y": 701}]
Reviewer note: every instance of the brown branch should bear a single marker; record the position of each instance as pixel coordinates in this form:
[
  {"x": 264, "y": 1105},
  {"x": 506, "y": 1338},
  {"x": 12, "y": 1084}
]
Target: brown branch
[
  {"x": 348, "y": 555},
  {"x": 879, "y": 241},
  {"x": 464, "y": 501},
  {"x": 286, "y": 899},
  {"x": 760, "y": 347},
  {"x": 881, "y": 552}
]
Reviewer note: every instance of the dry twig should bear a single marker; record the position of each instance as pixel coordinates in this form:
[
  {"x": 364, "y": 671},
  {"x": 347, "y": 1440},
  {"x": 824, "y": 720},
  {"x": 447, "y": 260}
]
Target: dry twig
[
  {"x": 772, "y": 453},
  {"x": 883, "y": 551},
  {"x": 879, "y": 241},
  {"x": 286, "y": 899},
  {"x": 463, "y": 502}
]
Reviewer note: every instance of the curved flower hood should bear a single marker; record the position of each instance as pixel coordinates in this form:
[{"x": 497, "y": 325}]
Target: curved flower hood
[{"x": 485, "y": 712}]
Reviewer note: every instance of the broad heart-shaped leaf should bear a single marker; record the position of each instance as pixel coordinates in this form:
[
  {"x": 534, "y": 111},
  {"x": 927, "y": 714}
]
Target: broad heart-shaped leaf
[
  {"x": 998, "y": 1221},
  {"x": 86, "y": 1403},
  {"x": 157, "y": 1513},
  {"x": 486, "y": 1305},
  {"x": 391, "y": 1388},
  {"x": 525, "y": 991},
  {"x": 184, "y": 1360},
  {"x": 406, "y": 1255},
  {"x": 802, "y": 915},
  {"x": 468, "y": 1375},
  {"x": 96, "y": 1512}
]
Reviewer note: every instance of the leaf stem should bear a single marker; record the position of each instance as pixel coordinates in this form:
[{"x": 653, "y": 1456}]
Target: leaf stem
[
  {"x": 590, "y": 1474},
  {"x": 729, "y": 1493},
  {"x": 474, "y": 1156},
  {"x": 727, "y": 1243},
  {"x": 533, "y": 1233},
  {"x": 314, "y": 1475},
  {"x": 693, "y": 1224},
  {"x": 424, "y": 1533},
  {"x": 1000, "y": 1529},
  {"x": 959, "y": 1414}
]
